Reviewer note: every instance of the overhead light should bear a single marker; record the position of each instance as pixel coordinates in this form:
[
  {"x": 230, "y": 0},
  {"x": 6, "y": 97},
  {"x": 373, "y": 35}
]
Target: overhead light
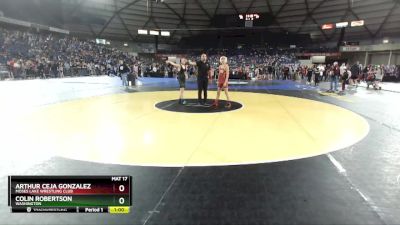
[
  {"x": 385, "y": 41},
  {"x": 108, "y": 43},
  {"x": 327, "y": 26},
  {"x": 154, "y": 32},
  {"x": 165, "y": 33},
  {"x": 357, "y": 23},
  {"x": 142, "y": 32},
  {"x": 100, "y": 41},
  {"x": 126, "y": 44},
  {"x": 342, "y": 24}
]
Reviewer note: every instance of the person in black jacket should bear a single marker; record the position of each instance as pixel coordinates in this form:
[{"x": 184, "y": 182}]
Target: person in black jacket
[
  {"x": 310, "y": 72},
  {"x": 355, "y": 73},
  {"x": 203, "y": 76},
  {"x": 123, "y": 70}
]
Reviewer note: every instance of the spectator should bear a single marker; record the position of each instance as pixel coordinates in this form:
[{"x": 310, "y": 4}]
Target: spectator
[{"x": 334, "y": 75}]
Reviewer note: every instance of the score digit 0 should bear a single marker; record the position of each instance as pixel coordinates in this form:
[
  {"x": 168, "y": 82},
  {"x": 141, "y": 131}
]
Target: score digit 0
[
  {"x": 121, "y": 188},
  {"x": 121, "y": 200}
]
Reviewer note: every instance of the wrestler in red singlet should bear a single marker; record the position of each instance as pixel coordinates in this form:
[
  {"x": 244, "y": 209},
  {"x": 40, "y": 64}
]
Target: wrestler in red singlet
[
  {"x": 223, "y": 81},
  {"x": 221, "y": 77}
]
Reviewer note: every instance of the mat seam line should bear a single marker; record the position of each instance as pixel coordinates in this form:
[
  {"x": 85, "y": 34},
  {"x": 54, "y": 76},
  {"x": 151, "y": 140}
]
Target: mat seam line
[
  {"x": 155, "y": 209},
  {"x": 350, "y": 183}
]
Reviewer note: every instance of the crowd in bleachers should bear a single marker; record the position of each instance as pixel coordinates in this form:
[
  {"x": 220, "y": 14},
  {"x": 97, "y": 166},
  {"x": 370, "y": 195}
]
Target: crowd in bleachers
[
  {"x": 247, "y": 63},
  {"x": 30, "y": 54}
]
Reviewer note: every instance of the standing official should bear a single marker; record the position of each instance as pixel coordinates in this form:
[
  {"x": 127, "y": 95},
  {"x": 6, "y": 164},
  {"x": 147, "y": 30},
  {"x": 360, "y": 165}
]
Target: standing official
[{"x": 204, "y": 74}]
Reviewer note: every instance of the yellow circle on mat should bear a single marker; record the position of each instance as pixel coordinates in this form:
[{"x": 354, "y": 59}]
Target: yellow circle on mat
[{"x": 128, "y": 129}]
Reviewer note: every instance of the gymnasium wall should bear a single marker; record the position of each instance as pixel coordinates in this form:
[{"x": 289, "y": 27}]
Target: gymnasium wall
[{"x": 375, "y": 58}]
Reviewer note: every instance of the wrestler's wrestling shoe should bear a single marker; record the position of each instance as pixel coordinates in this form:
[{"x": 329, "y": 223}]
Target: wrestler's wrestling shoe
[{"x": 215, "y": 104}]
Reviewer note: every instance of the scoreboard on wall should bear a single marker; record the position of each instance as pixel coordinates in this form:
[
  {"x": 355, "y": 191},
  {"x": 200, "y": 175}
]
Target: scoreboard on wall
[
  {"x": 240, "y": 20},
  {"x": 70, "y": 194}
]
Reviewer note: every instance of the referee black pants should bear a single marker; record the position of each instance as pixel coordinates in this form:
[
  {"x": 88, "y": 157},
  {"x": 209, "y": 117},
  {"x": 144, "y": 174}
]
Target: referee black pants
[{"x": 202, "y": 86}]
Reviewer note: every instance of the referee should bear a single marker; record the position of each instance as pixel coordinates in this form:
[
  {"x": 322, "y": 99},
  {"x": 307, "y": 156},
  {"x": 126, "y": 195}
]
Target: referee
[{"x": 203, "y": 69}]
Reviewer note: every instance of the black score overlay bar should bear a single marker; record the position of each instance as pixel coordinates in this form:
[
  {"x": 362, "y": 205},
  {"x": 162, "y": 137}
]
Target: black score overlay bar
[
  {"x": 60, "y": 209},
  {"x": 70, "y": 194}
]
